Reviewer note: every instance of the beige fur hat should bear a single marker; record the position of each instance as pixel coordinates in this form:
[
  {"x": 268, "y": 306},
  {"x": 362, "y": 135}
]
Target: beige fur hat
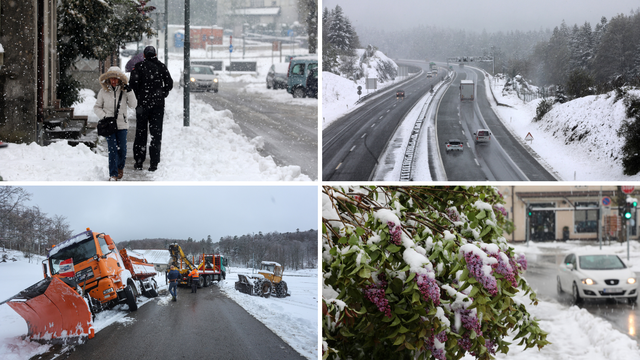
[{"x": 113, "y": 72}]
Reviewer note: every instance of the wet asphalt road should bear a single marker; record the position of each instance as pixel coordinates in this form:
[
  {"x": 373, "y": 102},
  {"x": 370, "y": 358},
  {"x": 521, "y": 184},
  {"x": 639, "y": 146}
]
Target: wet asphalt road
[
  {"x": 624, "y": 317},
  {"x": 205, "y": 325},
  {"x": 290, "y": 131}
]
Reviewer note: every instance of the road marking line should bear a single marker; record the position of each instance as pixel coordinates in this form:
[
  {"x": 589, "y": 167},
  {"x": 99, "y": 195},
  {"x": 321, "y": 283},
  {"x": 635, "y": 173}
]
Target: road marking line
[
  {"x": 352, "y": 148},
  {"x": 388, "y": 110},
  {"x": 476, "y": 160},
  {"x": 374, "y": 124},
  {"x": 380, "y": 117},
  {"x": 363, "y": 135},
  {"x": 337, "y": 167}
]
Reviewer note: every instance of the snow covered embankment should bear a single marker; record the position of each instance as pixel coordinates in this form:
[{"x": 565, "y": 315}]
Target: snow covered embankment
[{"x": 578, "y": 139}]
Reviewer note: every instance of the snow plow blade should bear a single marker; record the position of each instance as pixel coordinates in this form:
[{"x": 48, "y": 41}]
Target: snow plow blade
[{"x": 54, "y": 312}]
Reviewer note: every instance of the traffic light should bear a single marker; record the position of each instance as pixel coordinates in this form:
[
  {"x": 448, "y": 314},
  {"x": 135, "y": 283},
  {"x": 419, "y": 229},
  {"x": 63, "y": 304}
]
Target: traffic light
[
  {"x": 529, "y": 212},
  {"x": 627, "y": 211}
]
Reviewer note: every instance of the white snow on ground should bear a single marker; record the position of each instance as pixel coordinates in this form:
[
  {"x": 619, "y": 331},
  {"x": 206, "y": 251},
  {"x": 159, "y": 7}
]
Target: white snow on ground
[
  {"x": 212, "y": 148},
  {"x": 293, "y": 318},
  {"x": 578, "y": 139}
]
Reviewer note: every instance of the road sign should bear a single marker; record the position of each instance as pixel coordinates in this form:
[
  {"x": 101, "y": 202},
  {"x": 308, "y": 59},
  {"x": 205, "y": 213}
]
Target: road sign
[
  {"x": 606, "y": 201},
  {"x": 230, "y": 48},
  {"x": 529, "y": 137},
  {"x": 627, "y": 189}
]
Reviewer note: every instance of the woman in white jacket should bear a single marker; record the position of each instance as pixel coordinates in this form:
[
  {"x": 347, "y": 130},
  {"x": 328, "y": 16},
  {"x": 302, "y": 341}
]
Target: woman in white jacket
[{"x": 114, "y": 82}]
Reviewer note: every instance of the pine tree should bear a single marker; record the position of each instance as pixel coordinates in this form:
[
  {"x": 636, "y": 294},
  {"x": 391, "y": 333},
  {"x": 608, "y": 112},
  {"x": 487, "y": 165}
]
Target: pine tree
[{"x": 339, "y": 33}]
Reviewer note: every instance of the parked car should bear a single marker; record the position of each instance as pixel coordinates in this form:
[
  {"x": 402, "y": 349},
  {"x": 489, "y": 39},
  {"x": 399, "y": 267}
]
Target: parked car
[
  {"x": 203, "y": 78},
  {"x": 596, "y": 275},
  {"x": 312, "y": 84},
  {"x": 400, "y": 94},
  {"x": 454, "y": 144},
  {"x": 277, "y": 76},
  {"x": 128, "y": 52},
  {"x": 299, "y": 68},
  {"x": 482, "y": 135}
]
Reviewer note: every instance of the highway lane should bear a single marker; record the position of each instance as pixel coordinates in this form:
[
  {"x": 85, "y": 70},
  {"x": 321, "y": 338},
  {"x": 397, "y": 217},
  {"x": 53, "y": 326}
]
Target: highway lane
[
  {"x": 345, "y": 156},
  {"x": 503, "y": 158}
]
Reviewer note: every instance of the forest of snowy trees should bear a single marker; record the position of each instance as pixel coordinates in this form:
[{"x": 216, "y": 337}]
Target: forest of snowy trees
[{"x": 294, "y": 250}]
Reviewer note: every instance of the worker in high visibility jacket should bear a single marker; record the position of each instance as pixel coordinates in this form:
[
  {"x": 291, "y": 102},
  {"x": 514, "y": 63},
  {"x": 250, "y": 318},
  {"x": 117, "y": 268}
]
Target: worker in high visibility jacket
[{"x": 195, "y": 279}]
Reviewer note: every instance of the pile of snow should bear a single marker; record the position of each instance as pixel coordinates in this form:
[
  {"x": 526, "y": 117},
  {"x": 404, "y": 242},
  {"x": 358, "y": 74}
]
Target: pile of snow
[
  {"x": 212, "y": 148},
  {"x": 577, "y": 139}
]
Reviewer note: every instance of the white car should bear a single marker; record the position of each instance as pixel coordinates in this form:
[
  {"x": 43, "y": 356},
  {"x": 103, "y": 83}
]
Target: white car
[
  {"x": 596, "y": 275},
  {"x": 454, "y": 144},
  {"x": 482, "y": 135},
  {"x": 203, "y": 78}
]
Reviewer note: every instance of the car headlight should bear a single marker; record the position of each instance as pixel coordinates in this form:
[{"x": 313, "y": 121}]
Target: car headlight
[
  {"x": 631, "y": 280},
  {"x": 215, "y": 80},
  {"x": 589, "y": 281},
  {"x": 193, "y": 79}
]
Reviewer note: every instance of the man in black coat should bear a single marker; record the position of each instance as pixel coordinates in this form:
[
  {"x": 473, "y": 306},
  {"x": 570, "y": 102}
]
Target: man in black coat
[{"x": 151, "y": 82}]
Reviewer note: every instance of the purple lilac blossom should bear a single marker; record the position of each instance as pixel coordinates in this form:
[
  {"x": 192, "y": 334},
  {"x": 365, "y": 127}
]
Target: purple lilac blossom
[{"x": 428, "y": 288}]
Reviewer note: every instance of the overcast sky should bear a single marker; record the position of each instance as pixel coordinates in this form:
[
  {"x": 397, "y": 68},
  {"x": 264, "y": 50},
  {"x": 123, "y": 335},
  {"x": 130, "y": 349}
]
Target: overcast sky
[
  {"x": 492, "y": 15},
  {"x": 179, "y": 212}
]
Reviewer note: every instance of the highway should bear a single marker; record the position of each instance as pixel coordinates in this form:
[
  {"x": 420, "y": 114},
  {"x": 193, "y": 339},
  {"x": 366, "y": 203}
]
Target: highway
[{"x": 345, "y": 156}]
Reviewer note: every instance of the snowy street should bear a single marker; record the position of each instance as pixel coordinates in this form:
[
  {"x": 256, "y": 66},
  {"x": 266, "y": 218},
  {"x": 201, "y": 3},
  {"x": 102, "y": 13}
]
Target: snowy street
[{"x": 216, "y": 321}]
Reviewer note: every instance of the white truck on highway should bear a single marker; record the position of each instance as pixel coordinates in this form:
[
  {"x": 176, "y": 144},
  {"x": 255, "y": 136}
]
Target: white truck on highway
[{"x": 466, "y": 90}]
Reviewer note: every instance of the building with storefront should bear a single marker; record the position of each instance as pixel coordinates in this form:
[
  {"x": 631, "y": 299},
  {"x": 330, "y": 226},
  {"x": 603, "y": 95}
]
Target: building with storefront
[{"x": 557, "y": 213}]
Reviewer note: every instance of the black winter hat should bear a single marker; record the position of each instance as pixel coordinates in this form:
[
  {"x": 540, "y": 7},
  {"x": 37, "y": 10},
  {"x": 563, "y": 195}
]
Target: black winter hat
[{"x": 149, "y": 52}]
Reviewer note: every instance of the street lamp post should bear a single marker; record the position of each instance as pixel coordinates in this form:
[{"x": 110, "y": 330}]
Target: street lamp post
[{"x": 187, "y": 61}]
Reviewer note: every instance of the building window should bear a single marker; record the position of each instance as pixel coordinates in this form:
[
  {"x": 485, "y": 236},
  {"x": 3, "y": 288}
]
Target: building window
[{"x": 586, "y": 217}]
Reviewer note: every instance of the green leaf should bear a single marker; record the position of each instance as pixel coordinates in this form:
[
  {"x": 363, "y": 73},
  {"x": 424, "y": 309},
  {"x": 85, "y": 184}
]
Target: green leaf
[
  {"x": 411, "y": 276},
  {"x": 473, "y": 292},
  {"x": 364, "y": 273},
  {"x": 481, "y": 215},
  {"x": 393, "y": 248},
  {"x": 415, "y": 297},
  {"x": 396, "y": 322},
  {"x": 399, "y": 340},
  {"x": 353, "y": 240},
  {"x": 359, "y": 231},
  {"x": 465, "y": 274},
  {"x": 485, "y": 231},
  {"x": 342, "y": 240}
]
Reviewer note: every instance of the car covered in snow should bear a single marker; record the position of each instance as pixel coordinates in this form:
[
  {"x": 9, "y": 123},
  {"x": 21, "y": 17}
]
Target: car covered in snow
[
  {"x": 453, "y": 145},
  {"x": 596, "y": 275},
  {"x": 202, "y": 77},
  {"x": 277, "y": 76},
  {"x": 482, "y": 135}
]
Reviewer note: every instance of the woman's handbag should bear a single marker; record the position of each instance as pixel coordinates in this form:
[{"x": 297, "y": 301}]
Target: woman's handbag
[{"x": 109, "y": 125}]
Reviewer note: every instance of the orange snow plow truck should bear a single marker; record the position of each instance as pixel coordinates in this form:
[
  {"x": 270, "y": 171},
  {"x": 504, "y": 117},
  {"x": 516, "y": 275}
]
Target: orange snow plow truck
[{"x": 83, "y": 276}]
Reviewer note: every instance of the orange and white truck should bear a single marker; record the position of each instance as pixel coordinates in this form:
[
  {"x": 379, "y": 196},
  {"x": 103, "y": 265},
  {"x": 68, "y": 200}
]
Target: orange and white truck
[{"x": 82, "y": 276}]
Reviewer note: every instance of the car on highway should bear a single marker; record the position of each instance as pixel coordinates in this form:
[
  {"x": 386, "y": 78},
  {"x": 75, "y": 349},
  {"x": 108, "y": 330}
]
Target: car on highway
[
  {"x": 482, "y": 135},
  {"x": 277, "y": 76},
  {"x": 202, "y": 77},
  {"x": 429, "y": 74},
  {"x": 596, "y": 275},
  {"x": 454, "y": 144},
  {"x": 400, "y": 94}
]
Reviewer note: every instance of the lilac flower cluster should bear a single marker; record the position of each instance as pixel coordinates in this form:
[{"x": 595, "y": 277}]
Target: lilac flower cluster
[
  {"x": 430, "y": 345},
  {"x": 501, "y": 209},
  {"x": 465, "y": 343},
  {"x": 453, "y": 214},
  {"x": 504, "y": 268},
  {"x": 474, "y": 264},
  {"x": 469, "y": 321},
  {"x": 375, "y": 294},
  {"x": 428, "y": 288},
  {"x": 395, "y": 232},
  {"x": 522, "y": 261},
  {"x": 490, "y": 345}
]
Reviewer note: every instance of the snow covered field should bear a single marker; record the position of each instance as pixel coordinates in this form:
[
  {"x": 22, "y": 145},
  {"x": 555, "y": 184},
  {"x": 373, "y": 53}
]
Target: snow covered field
[
  {"x": 578, "y": 139},
  {"x": 212, "y": 148},
  {"x": 294, "y": 318}
]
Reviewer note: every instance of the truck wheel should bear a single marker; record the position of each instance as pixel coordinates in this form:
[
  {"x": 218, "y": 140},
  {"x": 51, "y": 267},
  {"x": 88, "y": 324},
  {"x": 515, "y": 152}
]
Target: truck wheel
[
  {"x": 281, "y": 289},
  {"x": 131, "y": 297},
  {"x": 201, "y": 282},
  {"x": 153, "y": 292},
  {"x": 266, "y": 289},
  {"x": 298, "y": 93}
]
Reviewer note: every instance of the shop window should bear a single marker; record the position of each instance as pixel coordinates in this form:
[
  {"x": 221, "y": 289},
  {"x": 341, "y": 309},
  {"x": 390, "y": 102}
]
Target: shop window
[{"x": 585, "y": 220}]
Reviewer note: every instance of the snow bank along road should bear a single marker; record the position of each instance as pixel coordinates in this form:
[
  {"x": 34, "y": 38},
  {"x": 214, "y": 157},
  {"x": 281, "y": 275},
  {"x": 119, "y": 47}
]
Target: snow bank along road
[
  {"x": 503, "y": 158},
  {"x": 345, "y": 156}
]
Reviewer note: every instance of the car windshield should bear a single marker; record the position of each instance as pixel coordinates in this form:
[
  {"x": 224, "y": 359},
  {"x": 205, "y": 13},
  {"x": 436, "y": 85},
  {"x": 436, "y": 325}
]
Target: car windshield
[
  {"x": 601, "y": 262},
  {"x": 79, "y": 252},
  {"x": 205, "y": 70},
  {"x": 483, "y": 133}
]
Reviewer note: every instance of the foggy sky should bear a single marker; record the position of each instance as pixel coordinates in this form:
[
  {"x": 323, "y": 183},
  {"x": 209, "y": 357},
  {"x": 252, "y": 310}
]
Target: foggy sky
[
  {"x": 492, "y": 15},
  {"x": 179, "y": 212}
]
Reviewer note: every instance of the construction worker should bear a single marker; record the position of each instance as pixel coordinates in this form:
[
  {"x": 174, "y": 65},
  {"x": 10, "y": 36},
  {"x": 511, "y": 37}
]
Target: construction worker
[
  {"x": 195, "y": 279},
  {"x": 174, "y": 277}
]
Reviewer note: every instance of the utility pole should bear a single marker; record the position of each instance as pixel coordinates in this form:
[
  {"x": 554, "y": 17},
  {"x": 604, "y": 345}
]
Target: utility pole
[
  {"x": 187, "y": 61},
  {"x": 166, "y": 32}
]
